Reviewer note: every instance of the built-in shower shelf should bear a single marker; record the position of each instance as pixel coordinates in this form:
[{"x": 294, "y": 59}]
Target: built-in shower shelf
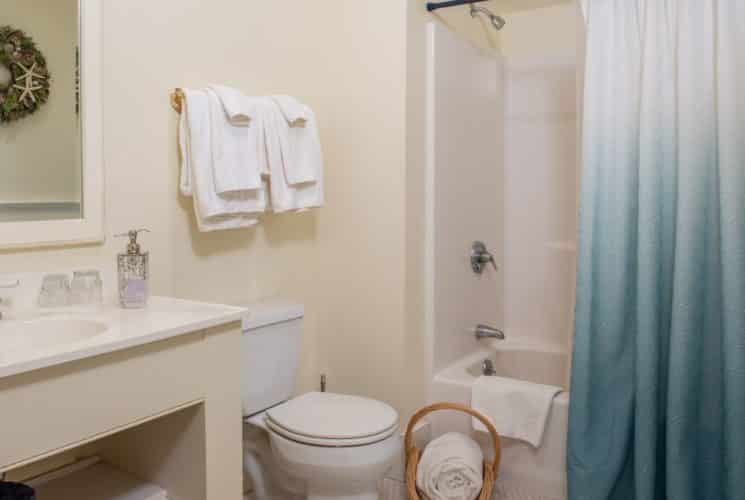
[{"x": 93, "y": 479}]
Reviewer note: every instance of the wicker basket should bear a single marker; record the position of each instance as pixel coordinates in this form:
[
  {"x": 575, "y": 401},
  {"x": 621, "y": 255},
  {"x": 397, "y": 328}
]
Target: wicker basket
[{"x": 413, "y": 454}]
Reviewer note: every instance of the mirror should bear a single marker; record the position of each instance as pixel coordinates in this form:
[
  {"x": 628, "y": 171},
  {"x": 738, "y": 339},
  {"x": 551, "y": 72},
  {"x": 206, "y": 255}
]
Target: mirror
[
  {"x": 40, "y": 141},
  {"x": 51, "y": 189}
]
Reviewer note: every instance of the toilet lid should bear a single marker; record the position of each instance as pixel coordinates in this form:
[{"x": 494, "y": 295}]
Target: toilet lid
[
  {"x": 323, "y": 416},
  {"x": 329, "y": 442}
]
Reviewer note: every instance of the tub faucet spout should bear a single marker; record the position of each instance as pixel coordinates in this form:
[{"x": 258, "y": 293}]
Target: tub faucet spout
[{"x": 488, "y": 332}]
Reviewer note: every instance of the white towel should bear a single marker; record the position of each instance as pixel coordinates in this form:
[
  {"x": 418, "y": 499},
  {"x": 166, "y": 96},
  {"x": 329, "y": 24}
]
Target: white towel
[
  {"x": 235, "y": 103},
  {"x": 451, "y": 468},
  {"x": 213, "y": 211},
  {"x": 285, "y": 195},
  {"x": 300, "y": 141},
  {"x": 518, "y": 409},
  {"x": 292, "y": 109},
  {"x": 236, "y": 149}
]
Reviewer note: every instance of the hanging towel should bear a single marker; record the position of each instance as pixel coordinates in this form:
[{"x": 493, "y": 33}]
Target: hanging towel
[
  {"x": 236, "y": 105},
  {"x": 246, "y": 111},
  {"x": 292, "y": 109},
  {"x": 300, "y": 141},
  {"x": 286, "y": 196},
  {"x": 213, "y": 211},
  {"x": 518, "y": 409},
  {"x": 236, "y": 149},
  {"x": 451, "y": 468}
]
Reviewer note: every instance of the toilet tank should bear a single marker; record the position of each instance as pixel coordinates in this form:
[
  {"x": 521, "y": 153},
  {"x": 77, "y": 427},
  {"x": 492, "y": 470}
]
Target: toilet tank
[{"x": 270, "y": 353}]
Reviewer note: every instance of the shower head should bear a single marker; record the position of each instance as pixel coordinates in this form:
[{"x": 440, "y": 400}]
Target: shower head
[{"x": 497, "y": 21}]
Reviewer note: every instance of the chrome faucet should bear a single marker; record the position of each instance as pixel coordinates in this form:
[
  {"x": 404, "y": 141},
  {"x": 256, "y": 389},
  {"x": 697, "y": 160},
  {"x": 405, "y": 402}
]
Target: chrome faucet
[
  {"x": 7, "y": 285},
  {"x": 487, "y": 368},
  {"x": 488, "y": 332},
  {"x": 480, "y": 257}
]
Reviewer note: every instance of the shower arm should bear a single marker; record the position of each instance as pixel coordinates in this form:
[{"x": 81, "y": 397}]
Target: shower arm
[
  {"x": 476, "y": 9},
  {"x": 497, "y": 21},
  {"x": 432, "y": 6}
]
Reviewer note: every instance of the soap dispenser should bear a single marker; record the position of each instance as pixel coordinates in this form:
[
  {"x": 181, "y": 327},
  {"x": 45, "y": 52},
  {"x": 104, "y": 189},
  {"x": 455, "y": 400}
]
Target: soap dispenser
[{"x": 132, "y": 267}]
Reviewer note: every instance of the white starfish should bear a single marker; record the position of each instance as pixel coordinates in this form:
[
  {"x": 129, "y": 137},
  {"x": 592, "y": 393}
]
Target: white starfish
[
  {"x": 28, "y": 90},
  {"x": 28, "y": 87},
  {"x": 29, "y": 73}
]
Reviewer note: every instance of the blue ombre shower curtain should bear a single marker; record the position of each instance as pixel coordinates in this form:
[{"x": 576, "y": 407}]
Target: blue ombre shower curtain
[{"x": 658, "y": 376}]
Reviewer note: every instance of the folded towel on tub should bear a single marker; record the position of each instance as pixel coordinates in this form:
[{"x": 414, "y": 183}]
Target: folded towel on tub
[
  {"x": 518, "y": 409},
  {"x": 451, "y": 468}
]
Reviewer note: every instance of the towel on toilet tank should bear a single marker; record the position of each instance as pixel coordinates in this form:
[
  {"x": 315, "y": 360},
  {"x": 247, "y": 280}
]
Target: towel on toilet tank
[{"x": 451, "y": 468}]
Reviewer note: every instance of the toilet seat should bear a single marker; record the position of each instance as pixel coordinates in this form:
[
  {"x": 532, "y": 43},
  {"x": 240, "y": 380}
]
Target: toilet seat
[
  {"x": 333, "y": 420},
  {"x": 330, "y": 443}
]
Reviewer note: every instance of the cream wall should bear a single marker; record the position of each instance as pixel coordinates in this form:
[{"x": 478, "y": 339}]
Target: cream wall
[
  {"x": 552, "y": 31},
  {"x": 345, "y": 262},
  {"x": 40, "y": 153},
  {"x": 356, "y": 263}
]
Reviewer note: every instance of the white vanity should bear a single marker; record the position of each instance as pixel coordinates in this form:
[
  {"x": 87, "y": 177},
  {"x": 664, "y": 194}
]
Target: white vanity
[{"x": 140, "y": 389}]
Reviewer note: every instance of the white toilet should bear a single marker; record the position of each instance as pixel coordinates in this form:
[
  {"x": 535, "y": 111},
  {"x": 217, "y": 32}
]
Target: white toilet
[{"x": 320, "y": 445}]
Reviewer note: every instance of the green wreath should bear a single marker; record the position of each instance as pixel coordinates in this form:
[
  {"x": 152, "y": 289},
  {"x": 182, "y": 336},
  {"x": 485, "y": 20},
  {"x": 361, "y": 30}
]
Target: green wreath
[{"x": 24, "y": 77}]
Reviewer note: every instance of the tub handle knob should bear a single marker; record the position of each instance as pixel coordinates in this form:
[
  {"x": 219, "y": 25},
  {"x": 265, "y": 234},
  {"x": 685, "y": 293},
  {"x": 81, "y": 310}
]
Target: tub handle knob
[{"x": 480, "y": 257}]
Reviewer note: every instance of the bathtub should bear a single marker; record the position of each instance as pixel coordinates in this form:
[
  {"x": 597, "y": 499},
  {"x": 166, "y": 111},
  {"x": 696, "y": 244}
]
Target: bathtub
[{"x": 525, "y": 472}]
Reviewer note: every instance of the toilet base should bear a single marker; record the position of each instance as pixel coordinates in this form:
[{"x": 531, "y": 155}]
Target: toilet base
[
  {"x": 361, "y": 496},
  {"x": 319, "y": 473},
  {"x": 341, "y": 473},
  {"x": 352, "y": 492},
  {"x": 267, "y": 480}
]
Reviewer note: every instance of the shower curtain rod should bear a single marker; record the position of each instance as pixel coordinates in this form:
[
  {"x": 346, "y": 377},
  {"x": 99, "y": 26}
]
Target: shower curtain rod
[{"x": 431, "y": 6}]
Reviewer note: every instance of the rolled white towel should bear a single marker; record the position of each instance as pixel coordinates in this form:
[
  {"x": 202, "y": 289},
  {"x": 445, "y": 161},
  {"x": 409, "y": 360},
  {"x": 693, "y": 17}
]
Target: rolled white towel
[{"x": 451, "y": 468}]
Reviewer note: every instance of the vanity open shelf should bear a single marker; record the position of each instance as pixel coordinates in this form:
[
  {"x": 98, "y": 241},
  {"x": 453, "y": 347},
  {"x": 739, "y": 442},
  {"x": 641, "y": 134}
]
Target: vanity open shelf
[
  {"x": 160, "y": 459},
  {"x": 96, "y": 481},
  {"x": 140, "y": 396}
]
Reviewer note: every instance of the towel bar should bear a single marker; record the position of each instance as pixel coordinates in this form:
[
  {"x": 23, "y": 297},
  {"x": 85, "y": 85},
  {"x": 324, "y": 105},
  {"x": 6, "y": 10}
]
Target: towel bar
[{"x": 177, "y": 100}]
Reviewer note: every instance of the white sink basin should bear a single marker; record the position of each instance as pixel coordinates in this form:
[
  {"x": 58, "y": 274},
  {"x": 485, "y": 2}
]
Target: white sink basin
[{"x": 27, "y": 336}]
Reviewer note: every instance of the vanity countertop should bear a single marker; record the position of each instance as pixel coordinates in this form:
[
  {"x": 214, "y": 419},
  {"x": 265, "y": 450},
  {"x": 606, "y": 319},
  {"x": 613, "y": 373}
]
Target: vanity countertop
[{"x": 162, "y": 319}]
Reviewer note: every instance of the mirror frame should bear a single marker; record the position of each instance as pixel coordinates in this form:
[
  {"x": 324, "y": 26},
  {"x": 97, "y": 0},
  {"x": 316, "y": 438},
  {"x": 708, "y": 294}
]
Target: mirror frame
[{"x": 89, "y": 229}]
